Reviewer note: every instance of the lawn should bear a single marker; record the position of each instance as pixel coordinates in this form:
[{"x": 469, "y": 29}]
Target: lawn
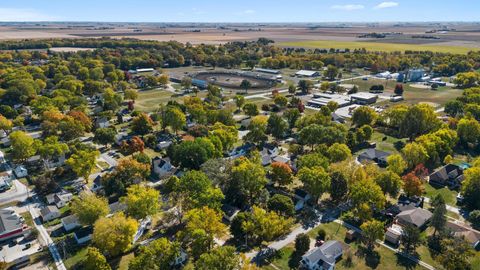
[
  {"x": 384, "y": 142},
  {"x": 79, "y": 256},
  {"x": 450, "y": 196},
  {"x": 376, "y": 46},
  {"x": 149, "y": 100}
]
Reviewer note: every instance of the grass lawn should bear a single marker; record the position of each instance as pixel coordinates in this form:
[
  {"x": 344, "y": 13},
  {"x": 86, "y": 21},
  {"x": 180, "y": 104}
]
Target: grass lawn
[
  {"x": 384, "y": 142},
  {"x": 123, "y": 262},
  {"x": 79, "y": 256},
  {"x": 149, "y": 100},
  {"x": 376, "y": 46},
  {"x": 450, "y": 196}
]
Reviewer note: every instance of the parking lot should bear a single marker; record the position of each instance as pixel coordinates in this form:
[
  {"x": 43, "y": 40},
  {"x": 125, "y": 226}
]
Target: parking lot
[{"x": 9, "y": 251}]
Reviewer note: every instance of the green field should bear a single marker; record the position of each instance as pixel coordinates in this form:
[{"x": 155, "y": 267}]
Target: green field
[{"x": 376, "y": 46}]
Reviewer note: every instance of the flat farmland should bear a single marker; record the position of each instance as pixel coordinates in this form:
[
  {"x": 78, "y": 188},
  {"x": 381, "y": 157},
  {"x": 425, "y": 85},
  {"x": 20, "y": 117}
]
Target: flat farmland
[{"x": 377, "y": 46}]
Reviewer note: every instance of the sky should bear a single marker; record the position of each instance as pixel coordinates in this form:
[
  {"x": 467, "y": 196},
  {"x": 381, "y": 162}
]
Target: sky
[{"x": 240, "y": 10}]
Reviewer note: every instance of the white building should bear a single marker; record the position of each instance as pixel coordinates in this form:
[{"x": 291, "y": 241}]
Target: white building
[{"x": 307, "y": 73}]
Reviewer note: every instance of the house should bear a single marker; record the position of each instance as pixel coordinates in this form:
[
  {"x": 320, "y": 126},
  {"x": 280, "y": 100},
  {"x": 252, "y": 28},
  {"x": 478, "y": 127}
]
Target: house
[
  {"x": 61, "y": 199},
  {"x": 268, "y": 153},
  {"x": 449, "y": 175},
  {"x": 102, "y": 122},
  {"x": 393, "y": 235},
  {"x": 240, "y": 151},
  {"x": 282, "y": 159},
  {"x": 83, "y": 235},
  {"x": 363, "y": 98},
  {"x": 396, "y": 209},
  {"x": 20, "y": 171},
  {"x": 374, "y": 155},
  {"x": 11, "y": 224},
  {"x": 117, "y": 207},
  {"x": 229, "y": 212},
  {"x": 415, "y": 75},
  {"x": 417, "y": 217},
  {"x": 268, "y": 71},
  {"x": 307, "y": 73},
  {"x": 458, "y": 229},
  {"x": 50, "y": 212},
  {"x": 164, "y": 144},
  {"x": 5, "y": 184},
  {"x": 120, "y": 137},
  {"x": 71, "y": 222},
  {"x": 162, "y": 167},
  {"x": 323, "y": 257}
]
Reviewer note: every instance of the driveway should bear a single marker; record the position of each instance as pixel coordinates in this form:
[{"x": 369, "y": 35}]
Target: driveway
[
  {"x": 17, "y": 193},
  {"x": 16, "y": 252}
]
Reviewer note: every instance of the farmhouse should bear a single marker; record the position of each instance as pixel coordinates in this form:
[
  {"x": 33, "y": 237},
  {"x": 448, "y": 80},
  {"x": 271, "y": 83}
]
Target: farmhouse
[{"x": 307, "y": 73}]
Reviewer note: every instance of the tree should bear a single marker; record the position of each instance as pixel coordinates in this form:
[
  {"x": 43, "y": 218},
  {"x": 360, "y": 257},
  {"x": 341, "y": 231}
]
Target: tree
[
  {"x": 71, "y": 128},
  {"x": 192, "y": 154},
  {"x": 141, "y": 201},
  {"x": 250, "y": 178},
  {"x": 245, "y": 84},
  {"x": 411, "y": 238},
  {"x": 258, "y": 129},
  {"x": 396, "y": 164},
  {"x": 50, "y": 148},
  {"x": 419, "y": 119},
  {"x": 305, "y": 86},
  {"x": 159, "y": 254},
  {"x": 95, "y": 260},
  {"x": 206, "y": 220},
  {"x": 198, "y": 191},
  {"x": 389, "y": 182},
  {"x": 131, "y": 94},
  {"x": 468, "y": 130},
  {"x": 142, "y": 124},
  {"x": 163, "y": 80},
  {"x": 414, "y": 154},
  {"x": 455, "y": 253},
  {"x": 133, "y": 145},
  {"x": 114, "y": 235},
  {"x": 331, "y": 72},
  {"x": 280, "y": 101},
  {"x": 88, "y": 208},
  {"x": 220, "y": 258},
  {"x": 302, "y": 244},
  {"x": 338, "y": 152},
  {"x": 471, "y": 188},
  {"x": 398, "y": 89},
  {"x": 175, "y": 118},
  {"x": 316, "y": 180},
  {"x": 454, "y": 108},
  {"x": 83, "y": 162},
  {"x": 239, "y": 101},
  {"x": 186, "y": 82},
  {"x": 250, "y": 109},
  {"x": 281, "y": 173},
  {"x": 366, "y": 193},
  {"x": 105, "y": 136},
  {"x": 292, "y": 115},
  {"x": 474, "y": 218},
  {"x": 412, "y": 185},
  {"x": 364, "y": 115},
  {"x": 22, "y": 145},
  {"x": 467, "y": 79},
  {"x": 276, "y": 126},
  {"x": 312, "y": 160},
  {"x": 5, "y": 124},
  {"x": 82, "y": 118},
  {"x": 261, "y": 225},
  {"x": 281, "y": 204},
  {"x": 128, "y": 172},
  {"x": 292, "y": 89},
  {"x": 338, "y": 186},
  {"x": 371, "y": 231},
  {"x": 439, "y": 218}
]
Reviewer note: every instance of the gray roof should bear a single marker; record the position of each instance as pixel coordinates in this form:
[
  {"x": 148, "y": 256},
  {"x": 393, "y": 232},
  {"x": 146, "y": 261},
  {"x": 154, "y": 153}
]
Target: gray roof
[
  {"x": 70, "y": 219},
  {"x": 49, "y": 209},
  {"x": 9, "y": 221},
  {"x": 417, "y": 217},
  {"x": 328, "y": 252},
  {"x": 373, "y": 154}
]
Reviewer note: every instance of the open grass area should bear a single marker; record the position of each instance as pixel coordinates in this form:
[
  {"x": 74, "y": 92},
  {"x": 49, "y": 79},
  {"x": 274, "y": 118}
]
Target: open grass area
[
  {"x": 384, "y": 142},
  {"x": 450, "y": 196},
  {"x": 149, "y": 100},
  {"x": 376, "y": 46},
  {"x": 79, "y": 256}
]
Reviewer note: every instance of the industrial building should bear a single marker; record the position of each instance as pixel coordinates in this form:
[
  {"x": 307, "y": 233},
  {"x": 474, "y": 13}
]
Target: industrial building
[
  {"x": 363, "y": 98},
  {"x": 307, "y": 73}
]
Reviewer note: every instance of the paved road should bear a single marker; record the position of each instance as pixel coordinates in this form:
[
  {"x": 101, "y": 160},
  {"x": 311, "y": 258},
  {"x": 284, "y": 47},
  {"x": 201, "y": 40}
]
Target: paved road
[
  {"x": 17, "y": 193},
  {"x": 34, "y": 209}
]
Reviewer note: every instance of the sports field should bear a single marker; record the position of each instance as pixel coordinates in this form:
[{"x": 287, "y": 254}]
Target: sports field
[{"x": 376, "y": 46}]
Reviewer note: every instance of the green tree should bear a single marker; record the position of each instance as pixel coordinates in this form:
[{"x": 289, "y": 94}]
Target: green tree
[
  {"x": 198, "y": 191},
  {"x": 302, "y": 244},
  {"x": 22, "y": 145},
  {"x": 292, "y": 115},
  {"x": 276, "y": 126},
  {"x": 281, "y": 204},
  {"x": 159, "y": 254},
  {"x": 175, "y": 118},
  {"x": 142, "y": 124},
  {"x": 250, "y": 178},
  {"x": 364, "y": 115},
  {"x": 338, "y": 152},
  {"x": 396, "y": 164},
  {"x": 338, "y": 185},
  {"x": 127, "y": 172},
  {"x": 411, "y": 238},
  {"x": 389, "y": 182},
  {"x": 455, "y": 254},
  {"x": 220, "y": 258},
  {"x": 414, "y": 154},
  {"x": 331, "y": 72},
  {"x": 88, "y": 208},
  {"x": 239, "y": 101},
  {"x": 312, "y": 160},
  {"x": 207, "y": 221},
  {"x": 95, "y": 260},
  {"x": 305, "y": 86},
  {"x": 258, "y": 129},
  {"x": 245, "y": 84},
  {"x": 469, "y": 131},
  {"x": 114, "y": 235},
  {"x": 419, "y": 119},
  {"x": 105, "y": 136},
  {"x": 371, "y": 231},
  {"x": 141, "y": 201},
  {"x": 316, "y": 180},
  {"x": 83, "y": 162},
  {"x": 250, "y": 109},
  {"x": 131, "y": 94},
  {"x": 192, "y": 154},
  {"x": 471, "y": 188},
  {"x": 280, "y": 101},
  {"x": 467, "y": 79},
  {"x": 366, "y": 194},
  {"x": 50, "y": 148},
  {"x": 439, "y": 218}
]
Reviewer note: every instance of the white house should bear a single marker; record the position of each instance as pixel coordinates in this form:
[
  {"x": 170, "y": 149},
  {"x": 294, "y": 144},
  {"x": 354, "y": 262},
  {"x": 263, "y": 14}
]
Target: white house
[
  {"x": 61, "y": 199},
  {"x": 323, "y": 257},
  {"x": 102, "y": 122},
  {"x": 164, "y": 144},
  {"x": 307, "y": 73},
  {"x": 50, "y": 212},
  {"x": 162, "y": 167},
  {"x": 268, "y": 153},
  {"x": 83, "y": 235},
  {"x": 71, "y": 222}
]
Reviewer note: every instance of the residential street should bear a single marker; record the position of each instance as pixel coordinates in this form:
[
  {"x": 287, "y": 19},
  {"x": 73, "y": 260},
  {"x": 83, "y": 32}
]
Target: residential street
[{"x": 18, "y": 192}]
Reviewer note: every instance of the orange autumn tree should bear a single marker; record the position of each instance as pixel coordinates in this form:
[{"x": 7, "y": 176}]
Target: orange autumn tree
[
  {"x": 412, "y": 185},
  {"x": 281, "y": 173}
]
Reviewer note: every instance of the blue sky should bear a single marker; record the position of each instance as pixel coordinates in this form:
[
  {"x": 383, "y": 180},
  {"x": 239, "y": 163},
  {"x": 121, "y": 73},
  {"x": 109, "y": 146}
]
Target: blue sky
[{"x": 239, "y": 10}]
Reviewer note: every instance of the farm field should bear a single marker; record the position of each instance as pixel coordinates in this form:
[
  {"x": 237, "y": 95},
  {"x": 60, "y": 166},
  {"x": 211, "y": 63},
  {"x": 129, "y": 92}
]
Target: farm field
[{"x": 374, "y": 46}]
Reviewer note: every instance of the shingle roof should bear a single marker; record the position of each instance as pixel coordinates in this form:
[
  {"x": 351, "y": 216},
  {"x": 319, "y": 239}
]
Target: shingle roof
[{"x": 417, "y": 216}]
